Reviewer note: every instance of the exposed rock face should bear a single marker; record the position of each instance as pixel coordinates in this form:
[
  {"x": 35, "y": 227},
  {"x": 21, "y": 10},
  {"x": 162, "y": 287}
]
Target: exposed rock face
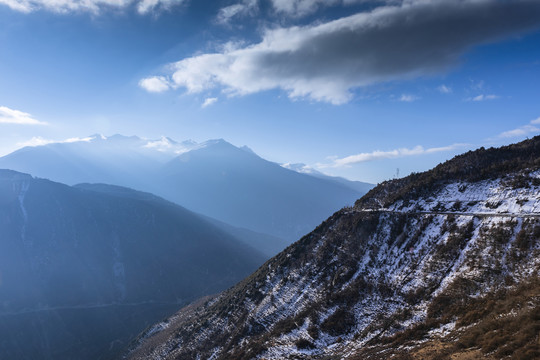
[{"x": 434, "y": 264}]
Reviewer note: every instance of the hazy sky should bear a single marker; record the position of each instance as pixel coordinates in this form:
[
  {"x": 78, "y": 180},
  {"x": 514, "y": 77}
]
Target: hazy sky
[{"x": 356, "y": 88}]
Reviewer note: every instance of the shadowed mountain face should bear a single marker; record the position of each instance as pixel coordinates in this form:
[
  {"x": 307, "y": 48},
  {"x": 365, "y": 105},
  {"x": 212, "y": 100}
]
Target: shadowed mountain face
[
  {"x": 438, "y": 265},
  {"x": 240, "y": 188},
  {"x": 116, "y": 160},
  {"x": 214, "y": 178},
  {"x": 82, "y": 269}
]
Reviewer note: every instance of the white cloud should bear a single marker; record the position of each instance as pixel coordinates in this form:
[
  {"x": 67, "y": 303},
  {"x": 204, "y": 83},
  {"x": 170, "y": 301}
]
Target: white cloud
[
  {"x": 444, "y": 89},
  {"x": 446, "y": 148},
  {"x": 246, "y": 7},
  {"x": 155, "y": 84},
  {"x": 522, "y": 130},
  {"x": 300, "y": 167},
  {"x": 10, "y": 116},
  {"x": 35, "y": 141},
  {"x": 477, "y": 85},
  {"x": 78, "y": 139},
  {"x": 483, "y": 97},
  {"x": 17, "y": 5},
  {"x": 391, "y": 154},
  {"x": 146, "y": 6},
  {"x": 288, "y": 8},
  {"x": 169, "y": 146},
  {"x": 408, "y": 98},
  {"x": 209, "y": 101},
  {"x": 299, "y": 8},
  {"x": 325, "y": 61},
  {"x": 93, "y": 6},
  {"x": 164, "y": 144},
  {"x": 39, "y": 141},
  {"x": 536, "y": 121}
]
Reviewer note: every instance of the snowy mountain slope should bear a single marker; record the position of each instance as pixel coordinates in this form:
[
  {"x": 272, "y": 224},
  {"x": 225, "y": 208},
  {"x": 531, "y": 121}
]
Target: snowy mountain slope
[
  {"x": 85, "y": 268},
  {"x": 435, "y": 264},
  {"x": 213, "y": 178}
]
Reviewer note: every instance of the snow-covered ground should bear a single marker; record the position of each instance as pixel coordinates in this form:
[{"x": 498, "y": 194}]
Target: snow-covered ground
[
  {"x": 484, "y": 197},
  {"x": 461, "y": 231}
]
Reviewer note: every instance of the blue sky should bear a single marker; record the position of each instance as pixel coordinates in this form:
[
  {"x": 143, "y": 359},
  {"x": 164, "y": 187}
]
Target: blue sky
[{"x": 355, "y": 88}]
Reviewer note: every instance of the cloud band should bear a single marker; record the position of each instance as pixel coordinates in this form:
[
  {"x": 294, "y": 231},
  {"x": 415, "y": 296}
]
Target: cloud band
[{"x": 325, "y": 62}]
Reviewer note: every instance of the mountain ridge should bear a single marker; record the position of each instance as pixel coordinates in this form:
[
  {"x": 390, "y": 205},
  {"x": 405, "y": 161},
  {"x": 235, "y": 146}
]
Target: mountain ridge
[
  {"x": 407, "y": 267},
  {"x": 76, "y": 261},
  {"x": 214, "y": 178},
  {"x": 472, "y": 166}
]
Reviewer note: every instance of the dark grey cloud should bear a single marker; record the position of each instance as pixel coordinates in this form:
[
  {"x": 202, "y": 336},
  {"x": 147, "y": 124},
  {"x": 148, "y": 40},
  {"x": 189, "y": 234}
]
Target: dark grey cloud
[{"x": 325, "y": 61}]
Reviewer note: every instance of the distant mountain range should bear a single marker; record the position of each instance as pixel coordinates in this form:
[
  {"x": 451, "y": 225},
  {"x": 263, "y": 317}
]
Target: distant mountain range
[
  {"x": 214, "y": 178},
  {"x": 442, "y": 264},
  {"x": 301, "y": 168},
  {"x": 83, "y": 269}
]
